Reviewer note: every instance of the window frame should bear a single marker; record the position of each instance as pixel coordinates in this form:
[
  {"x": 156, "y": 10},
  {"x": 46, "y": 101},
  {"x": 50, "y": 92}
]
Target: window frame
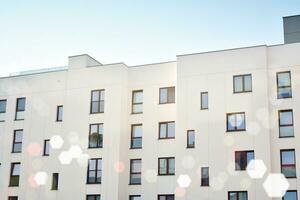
[
  {"x": 133, "y": 103},
  {"x": 17, "y": 110},
  {"x": 12, "y": 197},
  {"x": 14, "y": 142},
  {"x": 166, "y": 196},
  {"x": 96, "y": 171},
  {"x": 99, "y": 143},
  {"x": 3, "y": 112},
  {"x": 295, "y": 164},
  {"x": 132, "y": 136},
  {"x": 168, "y": 173},
  {"x": 131, "y": 197},
  {"x": 279, "y": 87},
  {"x": 167, "y": 135},
  {"x": 55, "y": 181},
  {"x": 201, "y": 97},
  {"x": 203, "y": 179},
  {"x": 188, "y": 145},
  {"x": 131, "y": 173},
  {"x": 291, "y": 191},
  {"x": 58, "y": 119},
  {"x": 243, "y": 83},
  {"x": 168, "y": 98},
  {"x": 11, "y": 176},
  {"x": 237, "y": 193},
  {"x": 46, "y": 144},
  {"x": 237, "y": 166},
  {"x": 236, "y": 128},
  {"x": 286, "y": 125},
  {"x": 99, "y": 101},
  {"x": 94, "y": 196}
]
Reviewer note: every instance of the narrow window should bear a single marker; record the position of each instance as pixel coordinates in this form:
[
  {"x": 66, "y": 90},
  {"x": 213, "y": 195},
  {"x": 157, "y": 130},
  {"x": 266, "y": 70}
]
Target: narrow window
[
  {"x": 284, "y": 85},
  {"x": 204, "y": 100},
  {"x": 137, "y": 102},
  {"x": 93, "y": 197},
  {"x": 242, "y": 83},
  {"x": 94, "y": 173},
  {"x": 286, "y": 123},
  {"x": 14, "y": 174},
  {"x": 17, "y": 141},
  {"x": 136, "y": 136},
  {"x": 135, "y": 172},
  {"x": 166, "y": 197},
  {"x": 166, "y": 130},
  {"x": 190, "y": 139},
  {"x": 97, "y": 101},
  {"x": 166, "y": 166},
  {"x": 55, "y": 177},
  {"x": 204, "y": 176},
  {"x": 96, "y": 136},
  {"x": 238, "y": 195},
  {"x": 135, "y": 197},
  {"x": 59, "y": 113},
  {"x": 167, "y": 95},
  {"x": 2, "y": 110},
  {"x": 13, "y": 198},
  {"x": 20, "y": 108},
  {"x": 290, "y": 195},
  {"x": 236, "y": 122},
  {"x": 46, "y": 147},
  {"x": 242, "y": 159},
  {"x": 288, "y": 163}
]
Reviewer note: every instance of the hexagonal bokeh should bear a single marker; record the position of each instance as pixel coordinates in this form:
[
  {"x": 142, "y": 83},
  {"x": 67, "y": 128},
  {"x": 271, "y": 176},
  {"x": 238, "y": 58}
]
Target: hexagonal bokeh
[
  {"x": 65, "y": 158},
  {"x": 41, "y": 178},
  {"x": 256, "y": 169},
  {"x": 184, "y": 181},
  {"x": 56, "y": 142},
  {"x": 276, "y": 185}
]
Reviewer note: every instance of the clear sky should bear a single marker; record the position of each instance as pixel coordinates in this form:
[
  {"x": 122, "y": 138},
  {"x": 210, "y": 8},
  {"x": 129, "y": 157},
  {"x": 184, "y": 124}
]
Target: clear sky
[{"x": 43, "y": 33}]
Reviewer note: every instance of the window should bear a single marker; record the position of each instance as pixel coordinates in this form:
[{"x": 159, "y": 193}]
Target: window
[
  {"x": 135, "y": 197},
  {"x": 236, "y": 122},
  {"x": 12, "y": 198},
  {"x": 166, "y": 197},
  {"x": 46, "y": 147},
  {"x": 93, "y": 197},
  {"x": 20, "y": 108},
  {"x": 136, "y": 136},
  {"x": 242, "y": 83},
  {"x": 166, "y": 95},
  {"x": 290, "y": 195},
  {"x": 135, "y": 171},
  {"x": 97, "y": 101},
  {"x": 284, "y": 85},
  {"x": 2, "y": 110},
  {"x": 288, "y": 163},
  {"x": 14, "y": 174},
  {"x": 59, "y": 113},
  {"x": 137, "y": 102},
  {"x": 166, "y": 166},
  {"x": 166, "y": 130},
  {"x": 54, "y": 181},
  {"x": 240, "y": 195},
  {"x": 94, "y": 171},
  {"x": 242, "y": 159},
  {"x": 204, "y": 176},
  {"x": 17, "y": 141},
  {"x": 96, "y": 136},
  {"x": 204, "y": 100},
  {"x": 190, "y": 139},
  {"x": 286, "y": 123}
]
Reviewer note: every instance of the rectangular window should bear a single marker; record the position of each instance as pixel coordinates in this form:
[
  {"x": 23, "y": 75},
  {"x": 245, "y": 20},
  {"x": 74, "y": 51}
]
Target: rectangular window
[
  {"x": 97, "y": 101},
  {"x": 137, "y": 102},
  {"x": 236, "y": 122},
  {"x": 166, "y": 166},
  {"x": 242, "y": 159},
  {"x": 2, "y": 110},
  {"x": 94, "y": 173},
  {"x": 204, "y": 176},
  {"x": 13, "y": 198},
  {"x": 166, "y": 197},
  {"x": 46, "y": 147},
  {"x": 288, "y": 163},
  {"x": 14, "y": 174},
  {"x": 190, "y": 139},
  {"x": 20, "y": 108},
  {"x": 17, "y": 141},
  {"x": 286, "y": 123},
  {"x": 93, "y": 197},
  {"x": 135, "y": 197},
  {"x": 96, "y": 136},
  {"x": 166, "y": 130},
  {"x": 135, "y": 172},
  {"x": 55, "y": 177},
  {"x": 290, "y": 195},
  {"x": 242, "y": 83},
  {"x": 239, "y": 195},
  {"x": 59, "y": 113},
  {"x": 204, "y": 100},
  {"x": 136, "y": 136},
  {"x": 284, "y": 85},
  {"x": 166, "y": 95}
]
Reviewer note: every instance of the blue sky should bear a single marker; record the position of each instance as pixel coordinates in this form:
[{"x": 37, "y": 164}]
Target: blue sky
[{"x": 38, "y": 34}]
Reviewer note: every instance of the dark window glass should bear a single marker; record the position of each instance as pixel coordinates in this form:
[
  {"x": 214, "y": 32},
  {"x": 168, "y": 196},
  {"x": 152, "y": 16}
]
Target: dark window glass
[
  {"x": 190, "y": 139},
  {"x": 236, "y": 122},
  {"x": 12, "y": 198},
  {"x": 46, "y": 147},
  {"x": 167, "y": 95},
  {"x": 96, "y": 136},
  {"x": 166, "y": 166},
  {"x": 20, "y": 108},
  {"x": 204, "y": 176},
  {"x": 166, "y": 197},
  {"x": 135, "y": 171},
  {"x": 242, "y": 83},
  {"x": 286, "y": 123},
  {"x": 239, "y": 195},
  {"x": 14, "y": 174},
  {"x": 55, "y": 177},
  {"x": 288, "y": 163},
  {"x": 59, "y": 114},
  {"x": 166, "y": 130},
  {"x": 137, "y": 102},
  {"x": 290, "y": 195},
  {"x": 204, "y": 100},
  {"x": 242, "y": 159},
  {"x": 17, "y": 141},
  {"x": 93, "y": 197},
  {"x": 97, "y": 101},
  {"x": 284, "y": 85},
  {"x": 94, "y": 173},
  {"x": 136, "y": 136},
  {"x": 135, "y": 197},
  {"x": 2, "y": 110}
]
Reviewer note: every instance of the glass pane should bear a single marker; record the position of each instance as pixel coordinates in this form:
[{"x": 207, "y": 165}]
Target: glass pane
[
  {"x": 289, "y": 171},
  {"x": 162, "y": 166},
  {"x": 171, "y": 95},
  {"x": 284, "y": 92},
  {"x": 204, "y": 100},
  {"x": 16, "y": 170},
  {"x": 20, "y": 115},
  {"x": 21, "y": 104},
  {"x": 18, "y": 136},
  {"x": 93, "y": 128},
  {"x": 136, "y": 143},
  {"x": 204, "y": 172},
  {"x": 287, "y": 157},
  {"x": 102, "y": 95},
  {"x": 17, "y": 147},
  {"x": 163, "y": 130},
  {"x": 171, "y": 129},
  {"x": 137, "y": 131},
  {"x": 137, "y": 108},
  {"x": 172, "y": 166},
  {"x": 47, "y": 149},
  {"x": 231, "y": 123},
  {"x": 2, "y": 116},
  {"x": 95, "y": 107},
  {"x": 191, "y": 138},
  {"x": 286, "y": 131},
  {"x": 284, "y": 79},
  {"x": 162, "y": 198},
  {"x": 138, "y": 97},
  {"x": 238, "y": 84},
  {"x": 99, "y": 165},
  {"x": 136, "y": 166},
  {"x": 248, "y": 83},
  {"x": 135, "y": 178},
  {"x": 90, "y": 198},
  {"x": 2, "y": 106},
  {"x": 240, "y": 121},
  {"x": 170, "y": 197},
  {"x": 92, "y": 164},
  {"x": 233, "y": 196},
  {"x": 243, "y": 196},
  {"x": 95, "y": 96},
  {"x": 163, "y": 96},
  {"x": 286, "y": 118},
  {"x": 99, "y": 176},
  {"x": 101, "y": 106},
  {"x": 98, "y": 197},
  {"x": 60, "y": 113},
  {"x": 290, "y": 196}
]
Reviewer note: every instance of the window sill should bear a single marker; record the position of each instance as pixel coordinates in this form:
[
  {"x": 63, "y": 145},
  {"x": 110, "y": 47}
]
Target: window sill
[
  {"x": 137, "y": 113},
  {"x": 284, "y": 97},
  {"x": 19, "y": 119},
  {"x": 93, "y": 183},
  {"x": 95, "y": 147},
  {"x": 286, "y": 137},
  {"x": 165, "y": 174},
  {"x": 230, "y": 131},
  {"x": 166, "y": 103},
  {"x": 203, "y": 108},
  {"x": 166, "y": 138},
  {"x": 134, "y": 183},
  {"x": 242, "y": 92},
  {"x": 135, "y": 148},
  {"x": 13, "y": 185},
  {"x": 16, "y": 152},
  {"x": 96, "y": 113},
  {"x": 191, "y": 147}
]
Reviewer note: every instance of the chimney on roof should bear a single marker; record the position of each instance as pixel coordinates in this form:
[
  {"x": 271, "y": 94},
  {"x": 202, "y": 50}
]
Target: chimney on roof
[{"x": 291, "y": 26}]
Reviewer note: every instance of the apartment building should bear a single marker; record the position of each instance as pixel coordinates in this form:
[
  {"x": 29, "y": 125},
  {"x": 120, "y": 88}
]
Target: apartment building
[{"x": 186, "y": 129}]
